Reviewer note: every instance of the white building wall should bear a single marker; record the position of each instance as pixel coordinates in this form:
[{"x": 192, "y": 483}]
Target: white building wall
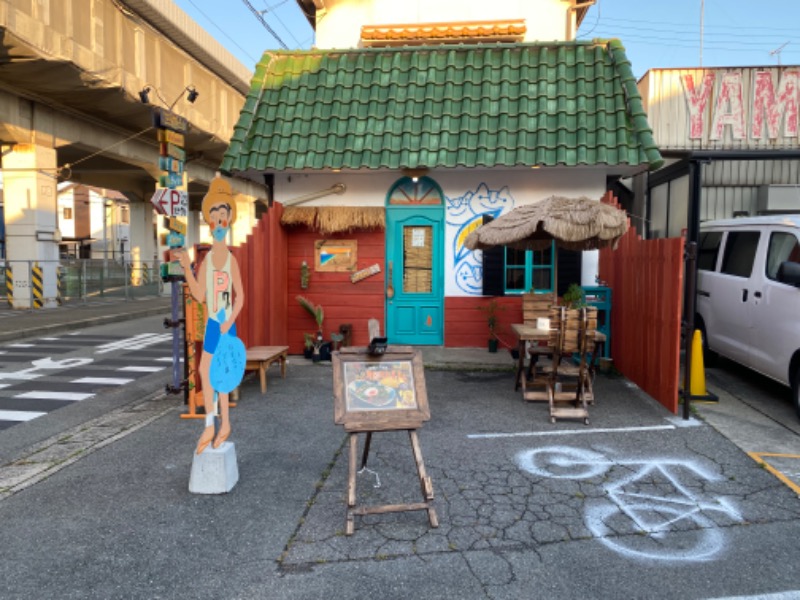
[
  {"x": 469, "y": 194},
  {"x": 339, "y": 26}
]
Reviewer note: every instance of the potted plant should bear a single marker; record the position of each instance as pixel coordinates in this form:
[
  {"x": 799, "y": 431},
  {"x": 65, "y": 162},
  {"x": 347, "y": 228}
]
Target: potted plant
[
  {"x": 308, "y": 345},
  {"x": 574, "y": 297},
  {"x": 490, "y": 310},
  {"x": 318, "y": 314}
]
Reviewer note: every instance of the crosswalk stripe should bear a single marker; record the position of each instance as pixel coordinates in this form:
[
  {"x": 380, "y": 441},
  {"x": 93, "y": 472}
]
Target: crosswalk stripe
[
  {"x": 142, "y": 369},
  {"x": 22, "y": 345},
  {"x": 103, "y": 380},
  {"x": 19, "y": 415},
  {"x": 45, "y": 395}
]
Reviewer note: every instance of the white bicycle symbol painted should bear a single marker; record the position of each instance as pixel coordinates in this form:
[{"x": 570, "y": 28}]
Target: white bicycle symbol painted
[{"x": 648, "y": 513}]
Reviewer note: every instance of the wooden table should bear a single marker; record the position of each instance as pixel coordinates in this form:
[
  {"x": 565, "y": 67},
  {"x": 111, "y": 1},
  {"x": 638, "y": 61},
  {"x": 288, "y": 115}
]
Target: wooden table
[
  {"x": 261, "y": 357},
  {"x": 530, "y": 333}
]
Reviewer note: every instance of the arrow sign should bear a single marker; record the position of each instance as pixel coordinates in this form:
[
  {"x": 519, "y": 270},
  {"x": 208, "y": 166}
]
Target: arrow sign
[{"x": 173, "y": 203}]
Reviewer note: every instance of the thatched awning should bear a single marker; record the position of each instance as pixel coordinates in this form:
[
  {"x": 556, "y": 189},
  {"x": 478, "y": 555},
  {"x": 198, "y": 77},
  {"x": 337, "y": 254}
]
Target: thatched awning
[{"x": 335, "y": 219}]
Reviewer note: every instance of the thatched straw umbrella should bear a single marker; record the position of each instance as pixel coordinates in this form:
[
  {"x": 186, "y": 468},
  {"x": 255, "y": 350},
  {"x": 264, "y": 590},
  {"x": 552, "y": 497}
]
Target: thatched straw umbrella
[{"x": 574, "y": 224}]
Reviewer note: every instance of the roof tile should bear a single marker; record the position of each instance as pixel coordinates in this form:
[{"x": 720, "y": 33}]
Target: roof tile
[{"x": 483, "y": 105}]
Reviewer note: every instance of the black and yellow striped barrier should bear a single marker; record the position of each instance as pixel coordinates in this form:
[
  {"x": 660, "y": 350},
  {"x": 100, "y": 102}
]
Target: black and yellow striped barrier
[
  {"x": 10, "y": 285},
  {"x": 37, "y": 285},
  {"x": 59, "y": 284}
]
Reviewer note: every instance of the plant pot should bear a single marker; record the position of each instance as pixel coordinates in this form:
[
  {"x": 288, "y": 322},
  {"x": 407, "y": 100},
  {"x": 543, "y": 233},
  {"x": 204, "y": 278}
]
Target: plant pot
[
  {"x": 493, "y": 345},
  {"x": 325, "y": 351},
  {"x": 514, "y": 353},
  {"x": 308, "y": 352}
]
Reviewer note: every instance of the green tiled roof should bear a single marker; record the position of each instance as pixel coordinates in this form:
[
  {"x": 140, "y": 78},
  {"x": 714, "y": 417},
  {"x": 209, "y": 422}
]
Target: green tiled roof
[{"x": 498, "y": 105}]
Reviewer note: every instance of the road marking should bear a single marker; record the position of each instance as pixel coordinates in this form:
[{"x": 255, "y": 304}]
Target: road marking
[
  {"x": 22, "y": 345},
  {"x": 137, "y": 342},
  {"x": 103, "y": 380},
  {"x": 165, "y": 359},
  {"x": 19, "y": 415},
  {"x": 44, "y": 395},
  {"x": 50, "y": 339},
  {"x": 483, "y": 436},
  {"x": 759, "y": 458},
  {"x": 142, "y": 369}
]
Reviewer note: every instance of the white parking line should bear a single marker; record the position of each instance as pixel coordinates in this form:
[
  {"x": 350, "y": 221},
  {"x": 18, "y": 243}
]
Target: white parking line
[
  {"x": 46, "y": 395},
  {"x": 142, "y": 369},
  {"x": 19, "y": 415},
  {"x": 483, "y": 436}
]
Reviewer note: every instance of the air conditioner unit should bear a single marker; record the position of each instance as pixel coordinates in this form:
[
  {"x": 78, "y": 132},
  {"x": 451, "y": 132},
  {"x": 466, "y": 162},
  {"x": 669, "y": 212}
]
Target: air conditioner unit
[{"x": 773, "y": 199}]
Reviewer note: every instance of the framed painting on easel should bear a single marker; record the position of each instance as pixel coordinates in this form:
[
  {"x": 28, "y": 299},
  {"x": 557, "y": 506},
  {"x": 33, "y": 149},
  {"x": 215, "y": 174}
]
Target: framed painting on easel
[{"x": 381, "y": 393}]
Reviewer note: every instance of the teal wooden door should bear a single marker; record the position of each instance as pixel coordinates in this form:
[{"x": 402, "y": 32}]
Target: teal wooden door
[{"x": 414, "y": 275}]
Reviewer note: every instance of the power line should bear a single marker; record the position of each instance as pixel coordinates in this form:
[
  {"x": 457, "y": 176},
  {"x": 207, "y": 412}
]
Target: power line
[
  {"x": 222, "y": 31},
  {"x": 260, "y": 18},
  {"x": 271, "y": 10}
]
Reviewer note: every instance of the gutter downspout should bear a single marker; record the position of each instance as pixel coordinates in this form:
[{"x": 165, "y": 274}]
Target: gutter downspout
[
  {"x": 570, "y": 30},
  {"x": 337, "y": 188}
]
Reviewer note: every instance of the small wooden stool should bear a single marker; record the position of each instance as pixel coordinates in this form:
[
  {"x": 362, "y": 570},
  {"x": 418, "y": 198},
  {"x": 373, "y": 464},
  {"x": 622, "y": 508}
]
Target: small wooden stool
[{"x": 261, "y": 357}]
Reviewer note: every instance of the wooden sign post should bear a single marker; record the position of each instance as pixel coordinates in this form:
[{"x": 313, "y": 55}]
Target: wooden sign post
[{"x": 381, "y": 393}]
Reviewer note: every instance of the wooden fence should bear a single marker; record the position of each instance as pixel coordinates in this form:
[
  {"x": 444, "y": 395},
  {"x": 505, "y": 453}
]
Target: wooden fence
[
  {"x": 262, "y": 263},
  {"x": 646, "y": 277}
]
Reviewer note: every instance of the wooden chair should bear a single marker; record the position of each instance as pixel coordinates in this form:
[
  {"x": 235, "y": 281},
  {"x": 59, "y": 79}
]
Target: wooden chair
[
  {"x": 570, "y": 385},
  {"x": 536, "y": 306},
  {"x": 536, "y": 389}
]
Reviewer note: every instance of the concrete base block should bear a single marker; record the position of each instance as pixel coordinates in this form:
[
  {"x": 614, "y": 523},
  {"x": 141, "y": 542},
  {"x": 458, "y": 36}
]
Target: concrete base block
[{"x": 215, "y": 470}]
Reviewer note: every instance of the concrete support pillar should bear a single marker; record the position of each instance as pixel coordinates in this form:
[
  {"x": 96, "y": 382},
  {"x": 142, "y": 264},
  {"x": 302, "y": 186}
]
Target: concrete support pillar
[
  {"x": 144, "y": 251},
  {"x": 29, "y": 181}
]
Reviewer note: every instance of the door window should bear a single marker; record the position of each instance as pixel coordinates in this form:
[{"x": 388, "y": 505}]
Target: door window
[
  {"x": 417, "y": 259},
  {"x": 782, "y": 247},
  {"x": 740, "y": 253},
  {"x": 708, "y": 250}
]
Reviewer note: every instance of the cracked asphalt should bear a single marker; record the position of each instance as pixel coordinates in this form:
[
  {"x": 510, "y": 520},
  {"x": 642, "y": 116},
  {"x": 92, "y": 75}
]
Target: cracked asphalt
[{"x": 639, "y": 504}]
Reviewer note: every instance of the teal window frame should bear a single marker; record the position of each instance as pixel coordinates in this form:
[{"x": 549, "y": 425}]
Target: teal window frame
[{"x": 530, "y": 268}]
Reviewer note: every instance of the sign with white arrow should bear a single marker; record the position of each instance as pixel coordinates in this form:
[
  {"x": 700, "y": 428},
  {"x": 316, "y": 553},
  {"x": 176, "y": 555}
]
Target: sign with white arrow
[{"x": 173, "y": 203}]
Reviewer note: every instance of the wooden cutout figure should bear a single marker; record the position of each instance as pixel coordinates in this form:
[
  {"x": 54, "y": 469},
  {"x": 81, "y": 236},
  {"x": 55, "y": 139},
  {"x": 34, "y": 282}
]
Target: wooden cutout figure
[{"x": 219, "y": 285}]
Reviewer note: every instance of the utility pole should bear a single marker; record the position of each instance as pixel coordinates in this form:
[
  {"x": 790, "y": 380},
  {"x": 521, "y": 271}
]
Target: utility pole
[{"x": 702, "y": 19}]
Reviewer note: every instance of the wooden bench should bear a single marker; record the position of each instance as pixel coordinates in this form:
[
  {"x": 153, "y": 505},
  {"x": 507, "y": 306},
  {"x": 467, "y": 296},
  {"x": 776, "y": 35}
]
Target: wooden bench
[{"x": 261, "y": 357}]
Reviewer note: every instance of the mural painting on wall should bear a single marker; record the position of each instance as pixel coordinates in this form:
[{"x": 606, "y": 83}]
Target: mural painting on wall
[{"x": 464, "y": 215}]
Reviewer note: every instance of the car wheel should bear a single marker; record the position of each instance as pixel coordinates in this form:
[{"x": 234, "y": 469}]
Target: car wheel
[{"x": 796, "y": 391}]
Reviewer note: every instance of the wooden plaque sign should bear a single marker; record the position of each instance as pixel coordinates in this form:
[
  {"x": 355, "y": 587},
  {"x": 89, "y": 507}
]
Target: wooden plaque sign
[{"x": 382, "y": 393}]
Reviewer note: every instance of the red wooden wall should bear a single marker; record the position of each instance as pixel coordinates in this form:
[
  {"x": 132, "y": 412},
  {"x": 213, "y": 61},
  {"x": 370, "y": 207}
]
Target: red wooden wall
[
  {"x": 465, "y": 325},
  {"x": 262, "y": 263},
  {"x": 342, "y": 301},
  {"x": 646, "y": 278}
]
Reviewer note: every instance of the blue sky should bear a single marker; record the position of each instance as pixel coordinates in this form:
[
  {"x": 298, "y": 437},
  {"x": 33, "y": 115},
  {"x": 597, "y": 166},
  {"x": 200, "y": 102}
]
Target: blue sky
[{"x": 656, "y": 34}]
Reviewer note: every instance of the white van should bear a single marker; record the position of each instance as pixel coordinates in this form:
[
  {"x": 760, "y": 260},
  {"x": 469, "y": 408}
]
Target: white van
[{"x": 748, "y": 294}]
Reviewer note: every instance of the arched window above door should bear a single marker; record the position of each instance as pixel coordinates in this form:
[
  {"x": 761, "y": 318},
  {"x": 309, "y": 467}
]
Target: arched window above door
[{"x": 422, "y": 192}]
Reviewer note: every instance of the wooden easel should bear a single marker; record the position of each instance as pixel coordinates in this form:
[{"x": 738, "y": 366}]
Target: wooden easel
[
  {"x": 424, "y": 481},
  {"x": 397, "y": 373}
]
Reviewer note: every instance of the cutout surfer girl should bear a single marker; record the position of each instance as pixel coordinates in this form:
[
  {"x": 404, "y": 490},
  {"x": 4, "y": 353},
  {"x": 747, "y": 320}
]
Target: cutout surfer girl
[{"x": 219, "y": 285}]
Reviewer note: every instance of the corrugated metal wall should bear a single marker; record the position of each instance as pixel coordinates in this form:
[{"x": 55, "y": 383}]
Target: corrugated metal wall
[{"x": 723, "y": 108}]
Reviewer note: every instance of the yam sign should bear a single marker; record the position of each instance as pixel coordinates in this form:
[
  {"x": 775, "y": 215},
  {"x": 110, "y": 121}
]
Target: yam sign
[{"x": 173, "y": 203}]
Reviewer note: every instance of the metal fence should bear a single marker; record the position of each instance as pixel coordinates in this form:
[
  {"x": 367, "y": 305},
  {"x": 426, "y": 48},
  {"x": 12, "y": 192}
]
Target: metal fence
[{"x": 36, "y": 283}]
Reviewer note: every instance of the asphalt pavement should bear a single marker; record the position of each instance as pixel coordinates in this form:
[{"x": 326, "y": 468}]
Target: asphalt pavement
[{"x": 638, "y": 504}]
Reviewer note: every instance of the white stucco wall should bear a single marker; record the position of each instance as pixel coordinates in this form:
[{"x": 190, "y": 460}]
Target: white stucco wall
[
  {"x": 468, "y": 195},
  {"x": 340, "y": 25}
]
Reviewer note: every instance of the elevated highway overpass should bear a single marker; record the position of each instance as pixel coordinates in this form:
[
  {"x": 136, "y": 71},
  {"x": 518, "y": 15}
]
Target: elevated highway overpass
[{"x": 71, "y": 73}]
